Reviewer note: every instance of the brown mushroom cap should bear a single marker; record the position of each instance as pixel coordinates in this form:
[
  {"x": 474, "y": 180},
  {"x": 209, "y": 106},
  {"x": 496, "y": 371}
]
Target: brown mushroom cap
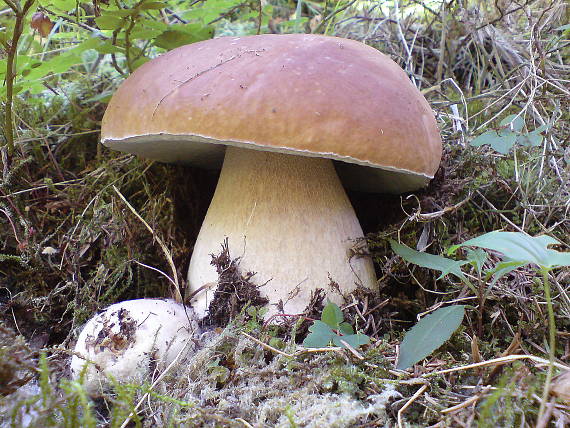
[{"x": 301, "y": 94}]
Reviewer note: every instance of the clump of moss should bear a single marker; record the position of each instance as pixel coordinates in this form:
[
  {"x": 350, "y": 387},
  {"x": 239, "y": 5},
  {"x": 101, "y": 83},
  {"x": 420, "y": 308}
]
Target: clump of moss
[{"x": 233, "y": 377}]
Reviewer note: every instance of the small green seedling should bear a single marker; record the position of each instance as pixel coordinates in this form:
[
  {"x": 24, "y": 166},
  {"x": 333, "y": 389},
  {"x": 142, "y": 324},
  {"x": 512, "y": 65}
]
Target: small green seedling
[
  {"x": 332, "y": 329},
  {"x": 510, "y": 133}
]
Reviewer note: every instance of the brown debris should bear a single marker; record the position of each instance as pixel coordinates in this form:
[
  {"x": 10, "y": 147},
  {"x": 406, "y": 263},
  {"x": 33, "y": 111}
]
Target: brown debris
[
  {"x": 116, "y": 342},
  {"x": 234, "y": 292}
]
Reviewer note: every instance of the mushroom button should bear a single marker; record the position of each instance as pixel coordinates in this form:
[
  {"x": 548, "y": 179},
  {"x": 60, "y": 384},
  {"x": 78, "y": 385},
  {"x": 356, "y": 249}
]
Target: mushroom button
[
  {"x": 131, "y": 338},
  {"x": 291, "y": 117}
]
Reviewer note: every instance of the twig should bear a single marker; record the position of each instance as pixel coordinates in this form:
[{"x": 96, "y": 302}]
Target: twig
[
  {"x": 467, "y": 402},
  {"x": 551, "y": 344},
  {"x": 352, "y": 350},
  {"x": 260, "y": 9},
  {"x": 246, "y": 423},
  {"x": 326, "y": 20},
  {"x": 503, "y": 14},
  {"x": 543, "y": 419},
  {"x": 156, "y": 270},
  {"x": 296, "y": 353},
  {"x": 500, "y": 213},
  {"x": 432, "y": 216},
  {"x": 500, "y": 360},
  {"x": 409, "y": 68},
  {"x": 409, "y": 403}
]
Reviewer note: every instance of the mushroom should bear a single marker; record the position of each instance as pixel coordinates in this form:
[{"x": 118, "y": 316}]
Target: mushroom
[
  {"x": 290, "y": 116},
  {"x": 130, "y": 339}
]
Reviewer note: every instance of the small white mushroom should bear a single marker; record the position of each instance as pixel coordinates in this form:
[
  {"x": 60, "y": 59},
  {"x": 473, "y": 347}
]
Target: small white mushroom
[{"x": 132, "y": 339}]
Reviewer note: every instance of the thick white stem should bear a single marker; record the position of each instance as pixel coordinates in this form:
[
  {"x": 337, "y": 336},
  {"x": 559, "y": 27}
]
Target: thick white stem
[{"x": 289, "y": 219}]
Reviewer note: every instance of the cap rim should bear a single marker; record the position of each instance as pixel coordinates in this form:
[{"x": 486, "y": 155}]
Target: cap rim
[{"x": 208, "y": 152}]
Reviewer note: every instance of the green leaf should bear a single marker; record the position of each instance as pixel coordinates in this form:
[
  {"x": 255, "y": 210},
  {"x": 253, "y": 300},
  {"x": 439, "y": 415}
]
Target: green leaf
[
  {"x": 430, "y": 261},
  {"x": 295, "y": 24},
  {"x": 122, "y": 13},
  {"x": 208, "y": 11},
  {"x": 140, "y": 61},
  {"x": 332, "y": 315},
  {"x": 345, "y": 328},
  {"x": 502, "y": 269},
  {"x": 354, "y": 340},
  {"x": 63, "y": 35},
  {"x": 183, "y": 35},
  {"x": 504, "y": 142},
  {"x": 65, "y": 5},
  {"x": 532, "y": 139},
  {"x": 108, "y": 22},
  {"x": 513, "y": 122},
  {"x": 145, "y": 34},
  {"x": 519, "y": 247},
  {"x": 322, "y": 332},
  {"x": 511, "y": 133},
  {"x": 155, "y": 25},
  {"x": 106, "y": 47},
  {"x": 477, "y": 258},
  {"x": 17, "y": 88},
  {"x": 500, "y": 143},
  {"x": 57, "y": 64},
  {"x": 487, "y": 138},
  {"x": 320, "y": 335},
  {"x": 103, "y": 97},
  {"x": 429, "y": 334},
  {"x": 563, "y": 27},
  {"x": 35, "y": 88},
  {"x": 90, "y": 43},
  {"x": 153, "y": 5}
]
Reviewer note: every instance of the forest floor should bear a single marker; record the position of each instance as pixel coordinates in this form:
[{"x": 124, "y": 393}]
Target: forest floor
[{"x": 70, "y": 246}]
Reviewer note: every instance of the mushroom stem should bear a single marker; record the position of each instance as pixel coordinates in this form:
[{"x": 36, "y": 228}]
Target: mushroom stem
[{"x": 290, "y": 221}]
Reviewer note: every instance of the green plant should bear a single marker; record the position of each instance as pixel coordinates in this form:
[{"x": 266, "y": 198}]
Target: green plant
[
  {"x": 332, "y": 328},
  {"x": 448, "y": 266},
  {"x": 503, "y": 405},
  {"x": 11, "y": 46},
  {"x": 509, "y": 133},
  {"x": 518, "y": 249}
]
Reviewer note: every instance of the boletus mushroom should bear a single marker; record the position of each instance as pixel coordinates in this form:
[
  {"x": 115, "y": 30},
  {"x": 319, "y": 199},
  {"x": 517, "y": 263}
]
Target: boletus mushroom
[{"x": 291, "y": 117}]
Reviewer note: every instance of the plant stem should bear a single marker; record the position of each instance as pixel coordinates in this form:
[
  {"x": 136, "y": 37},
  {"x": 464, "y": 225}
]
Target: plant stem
[
  {"x": 20, "y": 13},
  {"x": 481, "y": 296},
  {"x": 552, "y": 341}
]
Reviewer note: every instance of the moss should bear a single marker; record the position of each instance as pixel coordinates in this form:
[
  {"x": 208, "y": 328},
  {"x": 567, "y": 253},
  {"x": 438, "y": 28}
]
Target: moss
[
  {"x": 511, "y": 403},
  {"x": 230, "y": 376}
]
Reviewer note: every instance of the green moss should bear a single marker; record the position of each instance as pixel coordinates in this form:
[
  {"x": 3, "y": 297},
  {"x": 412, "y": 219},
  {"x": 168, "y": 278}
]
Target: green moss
[{"x": 511, "y": 402}]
